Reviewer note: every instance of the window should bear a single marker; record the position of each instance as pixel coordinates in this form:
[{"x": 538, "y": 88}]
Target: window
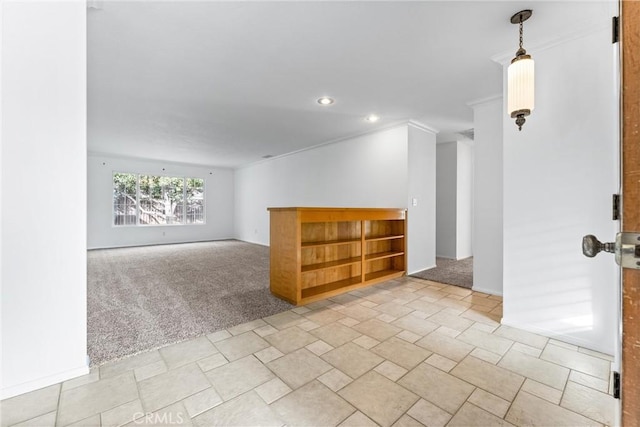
[
  {"x": 125, "y": 196},
  {"x": 195, "y": 201},
  {"x": 157, "y": 200}
]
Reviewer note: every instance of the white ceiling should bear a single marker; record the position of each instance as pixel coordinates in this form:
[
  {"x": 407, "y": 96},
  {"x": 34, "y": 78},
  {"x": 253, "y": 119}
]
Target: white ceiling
[{"x": 225, "y": 83}]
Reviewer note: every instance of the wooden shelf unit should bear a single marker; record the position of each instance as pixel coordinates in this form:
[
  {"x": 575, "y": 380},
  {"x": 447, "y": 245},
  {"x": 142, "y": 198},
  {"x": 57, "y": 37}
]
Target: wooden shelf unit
[{"x": 320, "y": 252}]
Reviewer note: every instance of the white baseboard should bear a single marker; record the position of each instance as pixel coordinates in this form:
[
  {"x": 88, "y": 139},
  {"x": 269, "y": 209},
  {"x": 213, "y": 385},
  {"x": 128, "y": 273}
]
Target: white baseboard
[
  {"x": 39, "y": 383},
  {"x": 486, "y": 291},
  {"x": 555, "y": 335},
  {"x": 177, "y": 242},
  {"x": 418, "y": 271}
]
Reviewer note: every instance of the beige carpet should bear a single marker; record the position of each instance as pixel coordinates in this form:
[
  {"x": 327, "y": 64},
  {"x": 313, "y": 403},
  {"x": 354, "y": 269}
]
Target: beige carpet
[
  {"x": 146, "y": 297},
  {"x": 451, "y": 272}
]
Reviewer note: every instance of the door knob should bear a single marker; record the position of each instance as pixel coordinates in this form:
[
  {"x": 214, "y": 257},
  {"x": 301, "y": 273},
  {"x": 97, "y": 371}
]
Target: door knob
[
  {"x": 591, "y": 246},
  {"x": 626, "y": 247}
]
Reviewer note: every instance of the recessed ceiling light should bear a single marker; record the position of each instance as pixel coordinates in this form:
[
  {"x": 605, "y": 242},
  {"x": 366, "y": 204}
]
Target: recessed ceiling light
[
  {"x": 325, "y": 100},
  {"x": 372, "y": 118}
]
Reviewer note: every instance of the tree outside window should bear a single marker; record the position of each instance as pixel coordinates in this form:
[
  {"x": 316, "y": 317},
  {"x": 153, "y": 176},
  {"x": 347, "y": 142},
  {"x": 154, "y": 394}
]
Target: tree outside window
[{"x": 157, "y": 200}]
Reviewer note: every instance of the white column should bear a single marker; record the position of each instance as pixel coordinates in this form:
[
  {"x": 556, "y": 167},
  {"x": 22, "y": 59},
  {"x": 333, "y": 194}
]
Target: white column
[
  {"x": 421, "y": 188},
  {"x": 488, "y": 184},
  {"x": 44, "y": 208},
  {"x": 464, "y": 200}
]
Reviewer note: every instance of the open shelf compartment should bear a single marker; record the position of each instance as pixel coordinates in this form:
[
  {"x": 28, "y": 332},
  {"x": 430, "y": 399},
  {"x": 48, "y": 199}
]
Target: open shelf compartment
[
  {"x": 330, "y": 264},
  {"x": 382, "y": 255},
  {"x": 384, "y": 229},
  {"x": 330, "y": 287}
]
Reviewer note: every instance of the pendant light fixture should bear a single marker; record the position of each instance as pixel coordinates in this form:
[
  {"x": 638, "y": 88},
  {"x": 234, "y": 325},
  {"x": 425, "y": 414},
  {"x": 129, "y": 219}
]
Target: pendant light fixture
[{"x": 520, "y": 77}]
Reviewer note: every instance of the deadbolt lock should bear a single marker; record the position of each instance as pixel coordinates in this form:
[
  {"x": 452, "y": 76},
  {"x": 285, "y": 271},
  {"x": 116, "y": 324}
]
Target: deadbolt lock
[{"x": 626, "y": 248}]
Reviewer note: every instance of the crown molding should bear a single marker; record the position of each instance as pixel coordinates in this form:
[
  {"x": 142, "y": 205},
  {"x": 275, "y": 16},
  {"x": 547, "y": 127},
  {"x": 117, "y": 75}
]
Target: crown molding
[
  {"x": 329, "y": 142},
  {"x": 485, "y": 100},
  {"x": 116, "y": 156},
  {"x": 411, "y": 123},
  {"x": 422, "y": 126},
  {"x": 504, "y": 58}
]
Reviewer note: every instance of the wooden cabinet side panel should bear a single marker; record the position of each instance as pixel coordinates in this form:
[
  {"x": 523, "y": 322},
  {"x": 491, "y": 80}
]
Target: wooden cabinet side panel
[
  {"x": 285, "y": 255},
  {"x": 401, "y": 264}
]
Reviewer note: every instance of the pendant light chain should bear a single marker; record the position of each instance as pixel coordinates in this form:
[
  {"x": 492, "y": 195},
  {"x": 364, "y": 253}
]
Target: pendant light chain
[{"x": 520, "y": 31}]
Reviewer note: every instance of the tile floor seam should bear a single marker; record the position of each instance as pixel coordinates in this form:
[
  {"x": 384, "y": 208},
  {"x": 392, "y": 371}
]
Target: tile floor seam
[
  {"x": 209, "y": 339},
  {"x": 99, "y": 414},
  {"x": 33, "y": 418},
  {"x": 403, "y": 414},
  {"x": 403, "y": 375},
  {"x": 502, "y": 357},
  {"x": 145, "y": 413},
  {"x": 567, "y": 409},
  {"x": 570, "y": 369},
  {"x": 55, "y": 423},
  {"x": 407, "y": 414},
  {"x": 564, "y": 388},
  {"x": 459, "y": 408},
  {"x": 458, "y": 378},
  {"x": 138, "y": 391},
  {"x": 347, "y": 417},
  {"x": 275, "y": 401},
  {"x": 466, "y": 329},
  {"x": 515, "y": 397},
  {"x": 165, "y": 360},
  {"x": 482, "y": 409},
  {"x": 490, "y": 392},
  {"x": 302, "y": 385}
]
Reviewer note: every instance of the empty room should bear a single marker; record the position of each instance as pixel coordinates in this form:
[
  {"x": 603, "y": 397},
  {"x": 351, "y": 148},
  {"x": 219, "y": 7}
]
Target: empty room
[{"x": 314, "y": 213}]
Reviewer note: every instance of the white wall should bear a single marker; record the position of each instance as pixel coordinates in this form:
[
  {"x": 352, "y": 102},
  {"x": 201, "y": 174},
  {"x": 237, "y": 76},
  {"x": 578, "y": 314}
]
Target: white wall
[
  {"x": 446, "y": 197},
  {"x": 454, "y": 185},
  {"x": 366, "y": 171},
  {"x": 43, "y": 194},
  {"x": 421, "y": 234},
  {"x": 487, "y": 210},
  {"x": 1, "y": 199},
  {"x": 219, "y": 204},
  {"x": 464, "y": 200},
  {"x": 559, "y": 175}
]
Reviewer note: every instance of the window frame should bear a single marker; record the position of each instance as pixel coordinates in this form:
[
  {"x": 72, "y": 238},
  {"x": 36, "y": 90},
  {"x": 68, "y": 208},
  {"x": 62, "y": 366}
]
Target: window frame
[{"x": 184, "y": 201}]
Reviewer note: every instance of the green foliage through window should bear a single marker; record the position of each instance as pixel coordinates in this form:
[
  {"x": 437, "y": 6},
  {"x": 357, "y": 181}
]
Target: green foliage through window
[{"x": 157, "y": 200}]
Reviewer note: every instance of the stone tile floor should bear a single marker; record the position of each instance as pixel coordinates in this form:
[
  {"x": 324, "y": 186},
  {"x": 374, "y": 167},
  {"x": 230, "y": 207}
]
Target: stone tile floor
[{"x": 408, "y": 352}]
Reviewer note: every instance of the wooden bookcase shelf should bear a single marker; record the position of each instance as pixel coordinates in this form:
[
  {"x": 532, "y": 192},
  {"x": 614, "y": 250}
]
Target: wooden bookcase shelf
[
  {"x": 378, "y": 238},
  {"x": 320, "y": 252},
  {"x": 321, "y": 290},
  {"x": 330, "y": 243},
  {"x": 381, "y": 255},
  {"x": 330, "y": 264}
]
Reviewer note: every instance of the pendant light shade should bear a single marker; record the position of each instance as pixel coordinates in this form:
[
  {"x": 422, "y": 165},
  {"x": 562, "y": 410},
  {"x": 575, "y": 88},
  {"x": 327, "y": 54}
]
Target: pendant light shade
[{"x": 520, "y": 78}]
